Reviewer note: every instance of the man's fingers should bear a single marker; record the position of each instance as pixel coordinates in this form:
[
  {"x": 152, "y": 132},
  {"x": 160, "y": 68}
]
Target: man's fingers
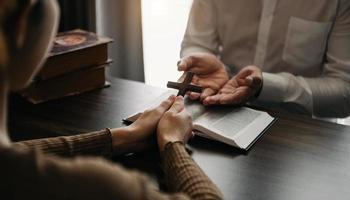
[
  {"x": 182, "y": 65},
  {"x": 238, "y": 97},
  {"x": 244, "y": 73},
  {"x": 206, "y": 93},
  {"x": 185, "y": 63},
  {"x": 249, "y": 76},
  {"x": 247, "y": 81},
  {"x": 193, "y": 63},
  {"x": 194, "y": 95},
  {"x": 250, "y": 81},
  {"x": 195, "y": 80},
  {"x": 227, "y": 90},
  {"x": 212, "y": 100},
  {"x": 230, "y": 98},
  {"x": 178, "y": 105},
  {"x": 257, "y": 81},
  {"x": 249, "y": 71},
  {"x": 229, "y": 87}
]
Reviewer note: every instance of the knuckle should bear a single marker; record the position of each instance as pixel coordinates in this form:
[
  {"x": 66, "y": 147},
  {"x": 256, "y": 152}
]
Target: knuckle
[{"x": 165, "y": 104}]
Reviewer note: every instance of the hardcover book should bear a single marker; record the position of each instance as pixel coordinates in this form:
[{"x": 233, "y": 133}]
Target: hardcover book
[
  {"x": 74, "y": 50},
  {"x": 239, "y": 127},
  {"x": 66, "y": 85}
]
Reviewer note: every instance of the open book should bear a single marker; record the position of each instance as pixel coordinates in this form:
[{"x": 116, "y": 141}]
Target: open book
[{"x": 236, "y": 126}]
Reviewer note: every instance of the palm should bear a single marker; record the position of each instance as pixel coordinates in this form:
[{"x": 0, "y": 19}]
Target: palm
[
  {"x": 210, "y": 73},
  {"x": 214, "y": 80},
  {"x": 241, "y": 88},
  {"x": 233, "y": 93}
]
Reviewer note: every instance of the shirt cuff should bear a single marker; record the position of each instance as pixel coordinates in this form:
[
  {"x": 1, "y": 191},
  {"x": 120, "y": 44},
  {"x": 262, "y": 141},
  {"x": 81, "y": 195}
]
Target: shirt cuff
[
  {"x": 274, "y": 88},
  {"x": 194, "y": 49}
]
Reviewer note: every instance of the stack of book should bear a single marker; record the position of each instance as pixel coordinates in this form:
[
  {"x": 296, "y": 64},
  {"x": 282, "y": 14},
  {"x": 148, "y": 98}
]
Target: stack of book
[{"x": 76, "y": 64}]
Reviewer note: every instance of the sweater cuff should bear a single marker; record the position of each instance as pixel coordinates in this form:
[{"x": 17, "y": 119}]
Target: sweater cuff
[
  {"x": 171, "y": 147},
  {"x": 173, "y": 151}
]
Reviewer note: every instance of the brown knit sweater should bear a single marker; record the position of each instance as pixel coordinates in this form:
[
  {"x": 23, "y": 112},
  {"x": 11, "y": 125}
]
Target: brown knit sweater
[{"x": 32, "y": 170}]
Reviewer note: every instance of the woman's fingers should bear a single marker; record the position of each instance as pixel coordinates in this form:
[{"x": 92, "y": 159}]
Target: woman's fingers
[
  {"x": 178, "y": 105},
  {"x": 166, "y": 104}
]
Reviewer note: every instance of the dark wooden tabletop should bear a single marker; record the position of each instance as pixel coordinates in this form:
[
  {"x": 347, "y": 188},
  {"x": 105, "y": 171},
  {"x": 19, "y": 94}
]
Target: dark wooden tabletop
[{"x": 297, "y": 158}]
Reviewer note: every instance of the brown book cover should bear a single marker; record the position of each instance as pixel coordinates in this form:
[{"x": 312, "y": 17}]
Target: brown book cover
[
  {"x": 74, "y": 50},
  {"x": 66, "y": 85}
]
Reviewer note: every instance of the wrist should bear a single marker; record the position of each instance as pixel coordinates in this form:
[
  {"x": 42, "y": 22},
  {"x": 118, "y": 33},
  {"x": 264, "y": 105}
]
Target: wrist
[
  {"x": 164, "y": 140},
  {"x": 256, "y": 87},
  {"x": 257, "y": 92},
  {"x": 121, "y": 140}
]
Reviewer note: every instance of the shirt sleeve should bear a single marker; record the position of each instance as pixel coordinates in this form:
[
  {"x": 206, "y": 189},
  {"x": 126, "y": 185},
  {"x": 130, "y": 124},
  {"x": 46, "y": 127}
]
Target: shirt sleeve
[
  {"x": 201, "y": 32},
  {"x": 324, "y": 96},
  {"x": 184, "y": 175},
  {"x": 94, "y": 143}
]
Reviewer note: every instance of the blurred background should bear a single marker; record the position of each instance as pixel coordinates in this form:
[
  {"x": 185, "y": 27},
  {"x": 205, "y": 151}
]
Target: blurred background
[{"x": 147, "y": 34}]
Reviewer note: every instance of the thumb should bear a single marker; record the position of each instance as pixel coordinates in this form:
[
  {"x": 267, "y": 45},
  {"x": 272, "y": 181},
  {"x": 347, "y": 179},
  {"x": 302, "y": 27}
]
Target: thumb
[
  {"x": 244, "y": 73},
  {"x": 248, "y": 77},
  {"x": 178, "y": 105},
  {"x": 256, "y": 81},
  {"x": 250, "y": 81},
  {"x": 185, "y": 63}
]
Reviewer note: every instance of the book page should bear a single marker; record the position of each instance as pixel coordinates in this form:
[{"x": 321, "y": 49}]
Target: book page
[
  {"x": 238, "y": 127},
  {"x": 227, "y": 121},
  {"x": 195, "y": 108}
]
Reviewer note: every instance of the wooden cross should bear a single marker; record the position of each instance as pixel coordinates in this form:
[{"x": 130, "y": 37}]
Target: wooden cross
[{"x": 185, "y": 86}]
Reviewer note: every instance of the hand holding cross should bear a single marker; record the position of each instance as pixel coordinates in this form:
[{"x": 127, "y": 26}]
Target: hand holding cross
[{"x": 185, "y": 86}]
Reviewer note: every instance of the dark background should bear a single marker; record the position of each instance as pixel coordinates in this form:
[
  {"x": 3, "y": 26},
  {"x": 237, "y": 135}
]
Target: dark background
[{"x": 77, "y": 14}]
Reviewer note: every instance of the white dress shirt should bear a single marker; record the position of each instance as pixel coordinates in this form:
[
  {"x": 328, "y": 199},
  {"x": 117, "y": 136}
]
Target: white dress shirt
[{"x": 302, "y": 47}]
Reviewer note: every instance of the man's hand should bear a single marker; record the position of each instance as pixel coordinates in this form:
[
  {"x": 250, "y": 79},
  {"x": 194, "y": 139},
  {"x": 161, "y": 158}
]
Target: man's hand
[
  {"x": 175, "y": 125},
  {"x": 240, "y": 89},
  {"x": 210, "y": 73},
  {"x": 138, "y": 135}
]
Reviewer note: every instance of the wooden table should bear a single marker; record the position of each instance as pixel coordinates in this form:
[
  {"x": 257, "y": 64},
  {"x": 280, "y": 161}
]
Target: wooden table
[{"x": 296, "y": 159}]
